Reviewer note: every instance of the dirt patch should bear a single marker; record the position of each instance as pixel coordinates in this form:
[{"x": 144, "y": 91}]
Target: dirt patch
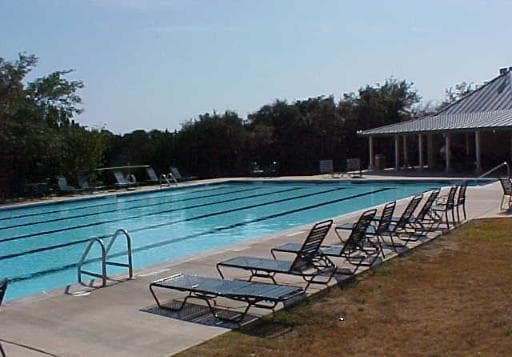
[{"x": 452, "y": 296}]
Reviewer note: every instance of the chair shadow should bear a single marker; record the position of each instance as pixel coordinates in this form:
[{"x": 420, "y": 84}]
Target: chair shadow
[{"x": 199, "y": 314}]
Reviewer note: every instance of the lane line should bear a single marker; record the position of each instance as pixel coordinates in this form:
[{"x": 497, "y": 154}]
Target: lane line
[{"x": 195, "y": 235}]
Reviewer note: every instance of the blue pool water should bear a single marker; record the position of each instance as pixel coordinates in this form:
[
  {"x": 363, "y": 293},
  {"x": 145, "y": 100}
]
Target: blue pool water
[{"x": 41, "y": 245}]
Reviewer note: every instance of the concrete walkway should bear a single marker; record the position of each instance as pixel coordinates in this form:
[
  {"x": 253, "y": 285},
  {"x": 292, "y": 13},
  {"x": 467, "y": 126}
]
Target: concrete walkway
[{"x": 122, "y": 320}]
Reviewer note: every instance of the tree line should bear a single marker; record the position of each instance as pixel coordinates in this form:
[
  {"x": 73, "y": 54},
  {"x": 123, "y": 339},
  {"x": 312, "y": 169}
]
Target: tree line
[{"x": 40, "y": 140}]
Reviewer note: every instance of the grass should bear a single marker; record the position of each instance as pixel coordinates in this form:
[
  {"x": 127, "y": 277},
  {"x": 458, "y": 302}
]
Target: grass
[{"x": 452, "y": 296}]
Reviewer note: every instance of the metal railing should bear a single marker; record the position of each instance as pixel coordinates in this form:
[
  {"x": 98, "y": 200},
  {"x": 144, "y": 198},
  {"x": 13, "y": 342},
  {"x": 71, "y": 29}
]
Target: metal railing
[
  {"x": 496, "y": 168},
  {"x": 82, "y": 261},
  {"x": 104, "y": 253},
  {"x": 165, "y": 180}
]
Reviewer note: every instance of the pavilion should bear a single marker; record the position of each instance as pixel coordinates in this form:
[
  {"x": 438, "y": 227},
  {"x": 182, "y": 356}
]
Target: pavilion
[{"x": 478, "y": 125}]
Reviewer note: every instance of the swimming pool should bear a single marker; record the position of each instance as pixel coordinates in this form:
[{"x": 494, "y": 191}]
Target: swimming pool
[{"x": 41, "y": 245}]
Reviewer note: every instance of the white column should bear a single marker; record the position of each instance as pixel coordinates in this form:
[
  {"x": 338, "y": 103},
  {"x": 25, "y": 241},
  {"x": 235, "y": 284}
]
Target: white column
[
  {"x": 370, "y": 149},
  {"x": 447, "y": 152},
  {"x": 477, "y": 152},
  {"x": 420, "y": 151},
  {"x": 397, "y": 153},
  {"x": 406, "y": 158}
]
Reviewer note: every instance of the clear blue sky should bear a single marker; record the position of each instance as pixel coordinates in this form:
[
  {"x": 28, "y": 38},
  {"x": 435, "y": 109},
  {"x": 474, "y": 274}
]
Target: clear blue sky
[{"x": 157, "y": 63}]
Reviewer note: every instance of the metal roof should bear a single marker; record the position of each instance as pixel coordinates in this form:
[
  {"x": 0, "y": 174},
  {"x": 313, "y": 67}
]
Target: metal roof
[
  {"x": 494, "y": 95},
  {"x": 446, "y": 122},
  {"x": 488, "y": 107}
]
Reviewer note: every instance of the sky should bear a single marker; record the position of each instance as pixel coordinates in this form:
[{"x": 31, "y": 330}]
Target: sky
[{"x": 154, "y": 64}]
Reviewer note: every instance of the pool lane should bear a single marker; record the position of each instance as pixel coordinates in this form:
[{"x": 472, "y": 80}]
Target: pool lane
[{"x": 72, "y": 205}]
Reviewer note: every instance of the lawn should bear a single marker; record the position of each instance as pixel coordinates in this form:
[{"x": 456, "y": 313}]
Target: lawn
[{"x": 452, "y": 296}]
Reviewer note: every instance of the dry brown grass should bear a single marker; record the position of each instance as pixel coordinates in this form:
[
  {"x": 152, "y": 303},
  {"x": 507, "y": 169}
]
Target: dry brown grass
[{"x": 452, "y": 296}]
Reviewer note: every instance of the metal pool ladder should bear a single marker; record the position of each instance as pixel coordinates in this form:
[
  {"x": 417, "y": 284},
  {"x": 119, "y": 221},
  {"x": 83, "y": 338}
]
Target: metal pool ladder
[{"x": 104, "y": 262}]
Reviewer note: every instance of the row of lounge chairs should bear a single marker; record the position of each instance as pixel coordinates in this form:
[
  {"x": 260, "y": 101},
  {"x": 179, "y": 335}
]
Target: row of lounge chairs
[
  {"x": 314, "y": 261},
  {"x": 121, "y": 180}
]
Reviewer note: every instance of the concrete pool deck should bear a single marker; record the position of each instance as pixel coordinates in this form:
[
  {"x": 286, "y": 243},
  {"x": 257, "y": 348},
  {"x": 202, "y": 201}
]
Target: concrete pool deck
[{"x": 121, "y": 320}]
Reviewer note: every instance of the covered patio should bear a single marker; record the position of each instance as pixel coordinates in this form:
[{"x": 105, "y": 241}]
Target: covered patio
[{"x": 470, "y": 135}]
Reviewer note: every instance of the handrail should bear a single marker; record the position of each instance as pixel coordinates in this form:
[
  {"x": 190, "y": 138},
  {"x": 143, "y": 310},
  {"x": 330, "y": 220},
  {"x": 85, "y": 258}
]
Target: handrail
[
  {"x": 81, "y": 262},
  {"x": 104, "y": 255},
  {"x": 128, "y": 265},
  {"x": 495, "y": 168},
  {"x": 166, "y": 178}
]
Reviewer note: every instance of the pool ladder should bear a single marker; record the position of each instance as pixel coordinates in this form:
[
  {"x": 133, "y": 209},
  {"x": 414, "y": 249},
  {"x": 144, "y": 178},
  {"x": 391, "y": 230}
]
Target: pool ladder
[{"x": 103, "y": 275}]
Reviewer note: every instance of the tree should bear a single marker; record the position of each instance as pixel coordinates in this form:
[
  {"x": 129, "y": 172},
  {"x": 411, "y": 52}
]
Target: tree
[
  {"x": 453, "y": 94},
  {"x": 38, "y": 137}
]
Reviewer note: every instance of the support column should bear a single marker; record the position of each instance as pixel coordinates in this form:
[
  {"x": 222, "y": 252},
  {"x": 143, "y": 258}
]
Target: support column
[
  {"x": 447, "y": 153},
  {"x": 430, "y": 152},
  {"x": 397, "y": 153},
  {"x": 370, "y": 149},
  {"x": 477, "y": 152},
  {"x": 406, "y": 158},
  {"x": 420, "y": 151}
]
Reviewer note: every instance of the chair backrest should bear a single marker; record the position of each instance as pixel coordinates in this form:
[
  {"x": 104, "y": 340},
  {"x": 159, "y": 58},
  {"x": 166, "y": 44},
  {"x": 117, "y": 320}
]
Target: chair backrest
[
  {"x": 359, "y": 230},
  {"x": 387, "y": 217},
  {"x": 353, "y": 164},
  {"x": 461, "y": 198},
  {"x": 311, "y": 245},
  {"x": 151, "y": 174},
  {"x": 62, "y": 183},
  {"x": 428, "y": 204},
  {"x": 326, "y": 167},
  {"x": 83, "y": 182},
  {"x": 176, "y": 173},
  {"x": 450, "y": 199},
  {"x": 409, "y": 211},
  {"x": 3, "y": 288},
  {"x": 120, "y": 178},
  {"x": 506, "y": 185}
]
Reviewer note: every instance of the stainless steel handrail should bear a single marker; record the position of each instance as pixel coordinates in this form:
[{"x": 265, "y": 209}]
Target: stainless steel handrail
[
  {"x": 128, "y": 265},
  {"x": 81, "y": 262},
  {"x": 104, "y": 255},
  {"x": 495, "y": 168}
]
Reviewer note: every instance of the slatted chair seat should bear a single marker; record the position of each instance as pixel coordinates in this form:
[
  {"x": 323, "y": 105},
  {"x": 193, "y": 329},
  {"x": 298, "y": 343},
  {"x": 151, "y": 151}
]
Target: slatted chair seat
[
  {"x": 309, "y": 263},
  {"x": 209, "y": 289}
]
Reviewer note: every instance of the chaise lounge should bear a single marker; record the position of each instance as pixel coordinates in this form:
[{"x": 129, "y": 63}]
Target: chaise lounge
[
  {"x": 309, "y": 263},
  {"x": 266, "y": 296}
]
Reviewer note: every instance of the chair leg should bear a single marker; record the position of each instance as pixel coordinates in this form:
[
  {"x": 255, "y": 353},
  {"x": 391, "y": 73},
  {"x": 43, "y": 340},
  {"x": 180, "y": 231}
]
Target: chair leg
[{"x": 464, "y": 210}]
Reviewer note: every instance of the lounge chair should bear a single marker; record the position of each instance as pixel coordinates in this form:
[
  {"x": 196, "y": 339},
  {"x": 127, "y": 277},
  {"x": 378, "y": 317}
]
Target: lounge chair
[
  {"x": 426, "y": 221},
  {"x": 460, "y": 202},
  {"x": 446, "y": 204},
  {"x": 352, "y": 169},
  {"x": 3, "y": 288},
  {"x": 357, "y": 250},
  {"x": 309, "y": 263},
  {"x": 506, "y": 185},
  {"x": 62, "y": 184},
  {"x": 122, "y": 181},
  {"x": 177, "y": 175},
  {"x": 326, "y": 167},
  {"x": 153, "y": 178},
  {"x": 403, "y": 228},
  {"x": 260, "y": 295}
]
